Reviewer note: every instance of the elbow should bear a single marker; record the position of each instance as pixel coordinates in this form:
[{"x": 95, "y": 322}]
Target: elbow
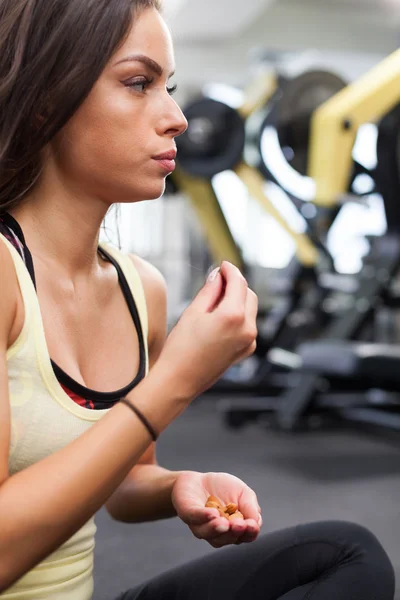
[
  {"x": 14, "y": 564},
  {"x": 112, "y": 509},
  {"x": 121, "y": 515},
  {"x": 116, "y": 511},
  {"x": 122, "y": 505},
  {"x": 8, "y": 576},
  {"x": 113, "y": 513}
]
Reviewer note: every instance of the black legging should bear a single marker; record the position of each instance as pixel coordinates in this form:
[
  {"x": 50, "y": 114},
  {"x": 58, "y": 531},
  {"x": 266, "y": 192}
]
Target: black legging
[{"x": 331, "y": 560}]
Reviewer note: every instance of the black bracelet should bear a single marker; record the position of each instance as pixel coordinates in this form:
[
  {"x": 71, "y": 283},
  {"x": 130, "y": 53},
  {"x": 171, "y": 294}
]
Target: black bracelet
[{"x": 145, "y": 422}]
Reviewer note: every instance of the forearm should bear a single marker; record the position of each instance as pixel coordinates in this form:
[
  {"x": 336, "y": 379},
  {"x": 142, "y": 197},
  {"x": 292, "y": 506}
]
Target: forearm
[
  {"x": 44, "y": 505},
  {"x": 145, "y": 496}
]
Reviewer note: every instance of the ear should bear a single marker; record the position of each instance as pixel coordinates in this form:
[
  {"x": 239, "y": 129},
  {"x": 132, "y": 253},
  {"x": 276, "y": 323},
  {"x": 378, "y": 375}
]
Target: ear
[
  {"x": 40, "y": 118},
  {"x": 38, "y": 121}
]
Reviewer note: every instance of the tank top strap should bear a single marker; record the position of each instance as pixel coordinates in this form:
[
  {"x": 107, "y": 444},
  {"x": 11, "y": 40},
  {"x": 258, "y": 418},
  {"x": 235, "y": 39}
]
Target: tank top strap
[
  {"x": 25, "y": 283},
  {"x": 135, "y": 285}
]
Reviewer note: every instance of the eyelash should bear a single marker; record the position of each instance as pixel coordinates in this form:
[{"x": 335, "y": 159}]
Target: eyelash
[
  {"x": 171, "y": 90},
  {"x": 146, "y": 82}
]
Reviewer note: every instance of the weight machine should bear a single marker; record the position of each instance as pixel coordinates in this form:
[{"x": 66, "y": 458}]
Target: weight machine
[
  {"x": 337, "y": 374},
  {"x": 217, "y": 139}
]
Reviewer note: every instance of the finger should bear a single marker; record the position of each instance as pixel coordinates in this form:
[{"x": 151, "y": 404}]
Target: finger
[
  {"x": 241, "y": 532},
  {"x": 246, "y": 354},
  {"x": 236, "y": 288},
  {"x": 251, "y": 319},
  {"x": 248, "y": 504},
  {"x": 200, "y": 516},
  {"x": 210, "y": 293},
  {"x": 211, "y": 530},
  {"x": 229, "y": 538},
  {"x": 251, "y": 532},
  {"x": 251, "y": 306},
  {"x": 250, "y": 350}
]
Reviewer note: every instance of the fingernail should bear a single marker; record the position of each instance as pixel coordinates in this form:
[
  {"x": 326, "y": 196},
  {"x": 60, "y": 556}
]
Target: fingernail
[
  {"x": 212, "y": 516},
  {"x": 222, "y": 528},
  {"x": 213, "y": 275},
  {"x": 260, "y": 521}
]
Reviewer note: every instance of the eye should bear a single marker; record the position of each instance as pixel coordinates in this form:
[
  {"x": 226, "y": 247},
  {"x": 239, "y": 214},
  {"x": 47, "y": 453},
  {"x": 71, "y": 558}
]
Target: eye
[
  {"x": 139, "y": 85},
  {"x": 171, "y": 90}
]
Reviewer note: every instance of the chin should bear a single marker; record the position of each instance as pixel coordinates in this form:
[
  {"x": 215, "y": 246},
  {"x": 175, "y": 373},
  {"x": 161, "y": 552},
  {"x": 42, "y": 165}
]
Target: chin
[{"x": 153, "y": 192}]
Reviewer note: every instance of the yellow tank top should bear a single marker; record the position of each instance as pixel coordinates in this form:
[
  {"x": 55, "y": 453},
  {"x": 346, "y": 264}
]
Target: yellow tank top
[{"x": 45, "y": 419}]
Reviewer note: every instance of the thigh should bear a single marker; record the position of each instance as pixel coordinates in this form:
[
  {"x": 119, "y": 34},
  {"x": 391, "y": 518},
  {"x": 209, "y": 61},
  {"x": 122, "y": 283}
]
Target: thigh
[{"x": 320, "y": 561}]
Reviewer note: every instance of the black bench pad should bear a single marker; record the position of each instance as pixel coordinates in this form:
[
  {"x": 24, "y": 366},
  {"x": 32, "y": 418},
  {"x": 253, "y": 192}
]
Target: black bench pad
[{"x": 378, "y": 362}]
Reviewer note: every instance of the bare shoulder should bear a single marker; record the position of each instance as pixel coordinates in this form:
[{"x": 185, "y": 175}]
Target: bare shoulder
[
  {"x": 152, "y": 279},
  {"x": 155, "y": 289},
  {"x": 8, "y": 304},
  {"x": 9, "y": 290}
]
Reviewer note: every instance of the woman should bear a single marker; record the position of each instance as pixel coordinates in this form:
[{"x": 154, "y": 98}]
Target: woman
[{"x": 87, "y": 120}]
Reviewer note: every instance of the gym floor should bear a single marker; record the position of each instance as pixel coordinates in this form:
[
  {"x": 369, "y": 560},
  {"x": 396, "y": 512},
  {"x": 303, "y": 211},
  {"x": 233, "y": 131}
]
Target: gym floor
[{"x": 337, "y": 474}]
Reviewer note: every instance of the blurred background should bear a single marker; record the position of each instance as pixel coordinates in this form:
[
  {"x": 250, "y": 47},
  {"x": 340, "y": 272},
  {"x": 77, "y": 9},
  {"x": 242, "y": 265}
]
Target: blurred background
[
  {"x": 221, "y": 48},
  {"x": 290, "y": 169}
]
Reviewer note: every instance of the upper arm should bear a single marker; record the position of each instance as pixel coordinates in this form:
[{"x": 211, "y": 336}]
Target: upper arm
[
  {"x": 155, "y": 290},
  {"x": 8, "y": 306}
]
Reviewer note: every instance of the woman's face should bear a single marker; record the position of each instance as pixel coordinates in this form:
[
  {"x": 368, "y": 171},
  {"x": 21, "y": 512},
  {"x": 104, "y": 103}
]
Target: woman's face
[{"x": 109, "y": 146}]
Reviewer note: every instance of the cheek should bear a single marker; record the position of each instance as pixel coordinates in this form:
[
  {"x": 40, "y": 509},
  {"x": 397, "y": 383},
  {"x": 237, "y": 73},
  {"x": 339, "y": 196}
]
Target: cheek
[
  {"x": 105, "y": 147},
  {"x": 107, "y": 134},
  {"x": 106, "y": 153}
]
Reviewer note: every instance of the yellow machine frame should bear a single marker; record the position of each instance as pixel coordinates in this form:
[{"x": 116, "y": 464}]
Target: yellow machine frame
[
  {"x": 336, "y": 122},
  {"x": 206, "y": 205},
  {"x": 257, "y": 96},
  {"x": 333, "y": 131},
  {"x": 210, "y": 215}
]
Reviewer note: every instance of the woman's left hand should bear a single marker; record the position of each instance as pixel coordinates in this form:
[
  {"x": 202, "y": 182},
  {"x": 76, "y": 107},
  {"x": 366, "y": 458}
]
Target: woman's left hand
[{"x": 190, "y": 494}]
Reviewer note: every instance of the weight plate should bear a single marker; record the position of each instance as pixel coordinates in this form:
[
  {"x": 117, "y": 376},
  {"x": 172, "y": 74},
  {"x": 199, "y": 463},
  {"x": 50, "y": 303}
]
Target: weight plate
[
  {"x": 214, "y": 139},
  {"x": 387, "y": 174},
  {"x": 293, "y": 107}
]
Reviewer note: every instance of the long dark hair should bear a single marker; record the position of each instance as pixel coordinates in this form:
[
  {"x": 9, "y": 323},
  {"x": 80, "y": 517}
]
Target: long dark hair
[{"x": 51, "y": 54}]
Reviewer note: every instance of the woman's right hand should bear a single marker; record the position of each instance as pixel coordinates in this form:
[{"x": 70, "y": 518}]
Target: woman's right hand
[{"x": 217, "y": 330}]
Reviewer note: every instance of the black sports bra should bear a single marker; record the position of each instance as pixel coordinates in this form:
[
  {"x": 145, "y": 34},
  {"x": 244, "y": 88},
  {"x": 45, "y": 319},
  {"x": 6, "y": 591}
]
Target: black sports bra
[{"x": 80, "y": 394}]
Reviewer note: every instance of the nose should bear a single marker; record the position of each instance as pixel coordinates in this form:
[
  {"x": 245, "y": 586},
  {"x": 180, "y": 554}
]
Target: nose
[{"x": 175, "y": 122}]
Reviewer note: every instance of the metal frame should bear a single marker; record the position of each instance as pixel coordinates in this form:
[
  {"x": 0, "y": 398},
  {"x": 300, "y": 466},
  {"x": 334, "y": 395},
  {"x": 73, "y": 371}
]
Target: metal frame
[
  {"x": 304, "y": 390},
  {"x": 335, "y": 124},
  {"x": 208, "y": 210},
  {"x": 334, "y": 129}
]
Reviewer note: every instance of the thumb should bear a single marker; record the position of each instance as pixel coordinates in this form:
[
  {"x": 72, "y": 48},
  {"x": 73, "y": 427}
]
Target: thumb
[
  {"x": 210, "y": 294},
  {"x": 249, "y": 506}
]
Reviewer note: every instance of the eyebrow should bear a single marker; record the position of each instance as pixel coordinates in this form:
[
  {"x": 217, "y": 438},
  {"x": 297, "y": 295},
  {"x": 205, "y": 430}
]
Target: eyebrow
[{"x": 149, "y": 62}]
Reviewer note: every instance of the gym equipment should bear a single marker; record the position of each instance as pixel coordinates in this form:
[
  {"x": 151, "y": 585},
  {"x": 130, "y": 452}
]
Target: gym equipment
[
  {"x": 220, "y": 239},
  {"x": 215, "y": 140},
  {"x": 334, "y": 129},
  {"x": 290, "y": 113},
  {"x": 352, "y": 381},
  {"x": 215, "y": 137},
  {"x": 220, "y": 137},
  {"x": 335, "y": 124},
  {"x": 208, "y": 210}
]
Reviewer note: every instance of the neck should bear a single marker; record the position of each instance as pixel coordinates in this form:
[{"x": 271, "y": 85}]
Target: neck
[{"x": 62, "y": 228}]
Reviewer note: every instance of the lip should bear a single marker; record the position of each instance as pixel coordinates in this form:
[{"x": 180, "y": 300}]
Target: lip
[
  {"x": 170, "y": 155},
  {"x": 166, "y": 164},
  {"x": 167, "y": 160}
]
